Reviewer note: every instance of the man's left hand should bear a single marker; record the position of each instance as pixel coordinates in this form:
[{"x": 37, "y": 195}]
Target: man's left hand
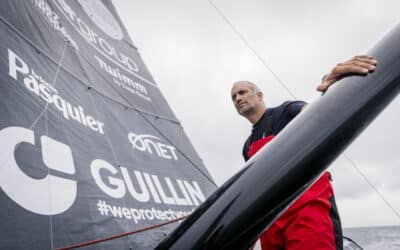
[{"x": 358, "y": 65}]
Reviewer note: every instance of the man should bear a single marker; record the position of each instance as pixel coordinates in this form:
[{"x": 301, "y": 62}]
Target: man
[{"x": 312, "y": 222}]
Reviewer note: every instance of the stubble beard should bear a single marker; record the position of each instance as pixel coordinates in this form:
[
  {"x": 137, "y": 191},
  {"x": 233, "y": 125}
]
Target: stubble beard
[{"x": 247, "y": 112}]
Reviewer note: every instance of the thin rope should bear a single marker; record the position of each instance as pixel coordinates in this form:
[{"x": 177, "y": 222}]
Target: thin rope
[
  {"x": 269, "y": 69},
  {"x": 49, "y": 191},
  {"x": 116, "y": 236},
  {"x": 47, "y": 104},
  {"x": 247, "y": 44},
  {"x": 47, "y": 133},
  {"x": 46, "y": 129},
  {"x": 373, "y": 186},
  {"x": 352, "y": 241}
]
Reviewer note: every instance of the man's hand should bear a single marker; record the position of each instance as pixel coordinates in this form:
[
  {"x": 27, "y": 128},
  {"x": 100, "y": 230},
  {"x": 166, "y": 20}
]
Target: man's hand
[{"x": 358, "y": 65}]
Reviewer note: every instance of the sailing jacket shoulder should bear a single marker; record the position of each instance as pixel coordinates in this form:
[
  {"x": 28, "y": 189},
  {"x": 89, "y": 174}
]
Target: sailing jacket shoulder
[{"x": 270, "y": 124}]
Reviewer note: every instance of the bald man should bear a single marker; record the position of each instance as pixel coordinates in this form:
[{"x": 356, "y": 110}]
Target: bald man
[{"x": 312, "y": 222}]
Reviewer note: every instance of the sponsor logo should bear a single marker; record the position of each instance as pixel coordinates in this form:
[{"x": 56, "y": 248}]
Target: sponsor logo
[
  {"x": 152, "y": 145},
  {"x": 102, "y": 17},
  {"x": 123, "y": 81},
  {"x": 47, "y": 196},
  {"x": 54, "y": 20},
  {"x": 19, "y": 70},
  {"x": 96, "y": 41},
  {"x": 116, "y": 182}
]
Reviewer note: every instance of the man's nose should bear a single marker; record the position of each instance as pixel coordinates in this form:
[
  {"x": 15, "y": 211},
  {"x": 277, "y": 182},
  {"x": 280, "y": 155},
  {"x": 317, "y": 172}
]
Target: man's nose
[{"x": 238, "y": 99}]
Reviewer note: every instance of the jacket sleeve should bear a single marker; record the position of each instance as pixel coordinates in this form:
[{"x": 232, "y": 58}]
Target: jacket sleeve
[{"x": 293, "y": 108}]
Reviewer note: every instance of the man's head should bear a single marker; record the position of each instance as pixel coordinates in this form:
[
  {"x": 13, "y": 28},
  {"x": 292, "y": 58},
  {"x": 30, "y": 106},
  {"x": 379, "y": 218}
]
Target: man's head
[{"x": 248, "y": 99}]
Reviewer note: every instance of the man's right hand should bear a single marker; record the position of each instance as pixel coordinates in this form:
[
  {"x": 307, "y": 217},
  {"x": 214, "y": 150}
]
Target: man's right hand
[{"x": 358, "y": 65}]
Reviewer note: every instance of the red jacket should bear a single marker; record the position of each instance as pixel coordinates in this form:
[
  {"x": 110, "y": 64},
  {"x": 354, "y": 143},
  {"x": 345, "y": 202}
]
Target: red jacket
[{"x": 310, "y": 223}]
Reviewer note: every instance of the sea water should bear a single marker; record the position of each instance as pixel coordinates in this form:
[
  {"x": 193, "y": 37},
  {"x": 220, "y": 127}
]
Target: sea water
[{"x": 374, "y": 238}]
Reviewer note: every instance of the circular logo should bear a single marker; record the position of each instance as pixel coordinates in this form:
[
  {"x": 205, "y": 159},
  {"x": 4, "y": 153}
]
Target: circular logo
[{"x": 102, "y": 17}]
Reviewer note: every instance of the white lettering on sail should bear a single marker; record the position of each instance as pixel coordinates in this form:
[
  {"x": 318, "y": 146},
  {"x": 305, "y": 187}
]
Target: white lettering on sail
[
  {"x": 20, "y": 71},
  {"x": 143, "y": 186},
  {"x": 152, "y": 145}
]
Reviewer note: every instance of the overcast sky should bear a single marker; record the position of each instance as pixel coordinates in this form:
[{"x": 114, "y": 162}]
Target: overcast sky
[{"x": 195, "y": 55}]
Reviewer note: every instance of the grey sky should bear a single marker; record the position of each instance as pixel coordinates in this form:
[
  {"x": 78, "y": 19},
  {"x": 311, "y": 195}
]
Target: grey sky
[{"x": 194, "y": 56}]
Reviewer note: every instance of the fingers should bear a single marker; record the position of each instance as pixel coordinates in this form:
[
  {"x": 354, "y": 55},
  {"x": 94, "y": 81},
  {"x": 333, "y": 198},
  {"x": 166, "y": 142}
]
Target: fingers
[
  {"x": 325, "y": 85},
  {"x": 361, "y": 64},
  {"x": 363, "y": 56},
  {"x": 358, "y": 65},
  {"x": 369, "y": 60},
  {"x": 322, "y": 87},
  {"x": 353, "y": 67}
]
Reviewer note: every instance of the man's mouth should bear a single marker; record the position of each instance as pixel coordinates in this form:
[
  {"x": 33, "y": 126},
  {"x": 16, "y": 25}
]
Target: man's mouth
[{"x": 241, "y": 105}]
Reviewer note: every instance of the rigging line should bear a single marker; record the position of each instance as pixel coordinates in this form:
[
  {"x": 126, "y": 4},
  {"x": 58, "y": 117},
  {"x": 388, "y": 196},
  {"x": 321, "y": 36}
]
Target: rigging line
[
  {"x": 247, "y": 44},
  {"x": 52, "y": 84},
  {"x": 116, "y": 236},
  {"x": 44, "y": 111},
  {"x": 179, "y": 150},
  {"x": 375, "y": 189},
  {"x": 47, "y": 132},
  {"x": 47, "y": 104},
  {"x": 49, "y": 191},
  {"x": 353, "y": 242},
  {"x": 38, "y": 49}
]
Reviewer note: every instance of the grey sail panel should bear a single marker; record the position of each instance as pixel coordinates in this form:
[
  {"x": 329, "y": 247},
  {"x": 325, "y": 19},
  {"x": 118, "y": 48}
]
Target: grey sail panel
[{"x": 83, "y": 157}]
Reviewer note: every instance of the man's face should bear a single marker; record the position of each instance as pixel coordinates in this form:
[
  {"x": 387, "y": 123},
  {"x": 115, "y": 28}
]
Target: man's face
[{"x": 245, "y": 100}]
